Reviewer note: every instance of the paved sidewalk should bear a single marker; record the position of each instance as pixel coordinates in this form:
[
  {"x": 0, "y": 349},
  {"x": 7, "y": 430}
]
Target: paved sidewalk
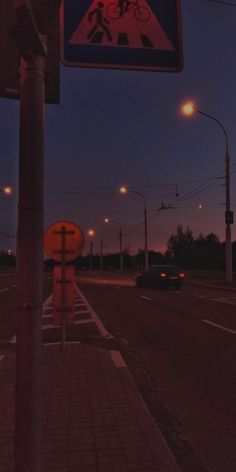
[{"x": 94, "y": 417}]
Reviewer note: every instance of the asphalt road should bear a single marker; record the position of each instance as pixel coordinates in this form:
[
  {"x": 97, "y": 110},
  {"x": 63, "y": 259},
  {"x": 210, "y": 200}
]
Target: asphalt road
[
  {"x": 185, "y": 342},
  {"x": 179, "y": 346}
]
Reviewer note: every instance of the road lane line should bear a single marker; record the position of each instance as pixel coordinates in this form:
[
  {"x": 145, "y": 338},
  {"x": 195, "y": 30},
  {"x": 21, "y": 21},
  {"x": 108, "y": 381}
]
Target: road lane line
[
  {"x": 146, "y": 298},
  {"x": 1, "y": 358},
  {"x": 4, "y": 289},
  {"x": 201, "y": 296},
  {"x": 221, "y": 300},
  {"x": 219, "y": 326},
  {"x": 14, "y": 286}
]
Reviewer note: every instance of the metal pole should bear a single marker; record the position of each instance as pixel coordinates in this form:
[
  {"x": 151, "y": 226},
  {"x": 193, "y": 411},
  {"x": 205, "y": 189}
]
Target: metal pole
[
  {"x": 101, "y": 256},
  {"x": 146, "y": 240},
  {"x": 63, "y": 285},
  {"x": 30, "y": 267},
  {"x": 145, "y": 227},
  {"x": 91, "y": 256},
  {"x": 121, "y": 250},
  {"x": 228, "y": 244}
]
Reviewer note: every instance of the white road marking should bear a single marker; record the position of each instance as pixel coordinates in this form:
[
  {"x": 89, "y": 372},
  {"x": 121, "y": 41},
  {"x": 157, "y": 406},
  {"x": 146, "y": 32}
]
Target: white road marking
[
  {"x": 201, "y": 296},
  {"x": 1, "y": 358},
  {"x": 81, "y": 312},
  {"x": 47, "y": 302},
  {"x": 14, "y": 286},
  {"x": 117, "y": 286},
  {"x": 50, "y": 326},
  {"x": 146, "y": 298},
  {"x": 97, "y": 321},
  {"x": 4, "y": 289},
  {"x": 117, "y": 359},
  {"x": 222, "y": 300},
  {"x": 219, "y": 326},
  {"x": 59, "y": 343},
  {"x": 76, "y": 322}
]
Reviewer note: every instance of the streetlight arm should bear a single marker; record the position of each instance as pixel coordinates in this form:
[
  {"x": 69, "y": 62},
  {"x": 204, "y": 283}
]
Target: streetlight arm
[
  {"x": 141, "y": 195},
  {"x": 116, "y": 223},
  {"x": 219, "y": 123}
]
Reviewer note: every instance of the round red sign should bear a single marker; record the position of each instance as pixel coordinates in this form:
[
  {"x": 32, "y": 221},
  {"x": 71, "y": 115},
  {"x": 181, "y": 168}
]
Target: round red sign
[{"x": 63, "y": 240}]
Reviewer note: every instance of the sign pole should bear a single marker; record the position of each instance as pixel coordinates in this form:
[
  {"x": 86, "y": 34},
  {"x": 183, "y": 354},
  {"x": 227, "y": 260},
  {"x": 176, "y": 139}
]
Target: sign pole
[
  {"x": 30, "y": 266},
  {"x": 63, "y": 285}
]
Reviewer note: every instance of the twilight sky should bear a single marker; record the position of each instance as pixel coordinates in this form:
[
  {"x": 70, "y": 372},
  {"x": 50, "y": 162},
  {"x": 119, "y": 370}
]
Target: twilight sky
[{"x": 124, "y": 127}]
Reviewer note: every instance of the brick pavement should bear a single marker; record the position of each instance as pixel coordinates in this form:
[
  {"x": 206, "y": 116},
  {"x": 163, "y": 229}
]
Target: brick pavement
[{"x": 94, "y": 419}]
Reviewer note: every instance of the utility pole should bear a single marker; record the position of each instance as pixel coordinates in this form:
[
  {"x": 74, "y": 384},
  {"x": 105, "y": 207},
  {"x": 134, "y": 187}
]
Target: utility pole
[
  {"x": 101, "y": 255},
  {"x": 188, "y": 109},
  {"x": 30, "y": 266},
  {"x": 31, "y": 40},
  {"x": 121, "y": 250},
  {"x": 91, "y": 256}
]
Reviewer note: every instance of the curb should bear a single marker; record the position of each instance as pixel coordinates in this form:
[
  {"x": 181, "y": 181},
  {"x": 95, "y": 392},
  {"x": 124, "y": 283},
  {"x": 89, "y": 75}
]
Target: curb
[{"x": 163, "y": 456}]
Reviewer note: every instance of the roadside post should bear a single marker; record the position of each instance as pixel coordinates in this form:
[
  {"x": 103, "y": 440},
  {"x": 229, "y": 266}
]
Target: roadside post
[
  {"x": 29, "y": 242},
  {"x": 25, "y": 27},
  {"x": 63, "y": 242}
]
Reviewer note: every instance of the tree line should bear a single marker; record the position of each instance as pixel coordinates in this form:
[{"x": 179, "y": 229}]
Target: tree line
[{"x": 183, "y": 250}]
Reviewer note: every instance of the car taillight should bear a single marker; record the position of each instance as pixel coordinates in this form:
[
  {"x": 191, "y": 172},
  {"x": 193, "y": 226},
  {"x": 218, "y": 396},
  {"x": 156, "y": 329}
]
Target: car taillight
[
  {"x": 163, "y": 274},
  {"x": 181, "y": 274}
]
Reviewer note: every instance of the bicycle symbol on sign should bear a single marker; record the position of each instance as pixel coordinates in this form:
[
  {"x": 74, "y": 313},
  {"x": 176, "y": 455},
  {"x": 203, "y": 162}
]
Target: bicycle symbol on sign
[{"x": 116, "y": 10}]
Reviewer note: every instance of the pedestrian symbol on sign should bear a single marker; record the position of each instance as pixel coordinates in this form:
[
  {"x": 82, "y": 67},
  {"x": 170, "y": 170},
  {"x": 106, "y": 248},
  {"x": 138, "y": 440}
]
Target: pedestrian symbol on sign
[
  {"x": 121, "y": 24},
  {"x": 100, "y": 22}
]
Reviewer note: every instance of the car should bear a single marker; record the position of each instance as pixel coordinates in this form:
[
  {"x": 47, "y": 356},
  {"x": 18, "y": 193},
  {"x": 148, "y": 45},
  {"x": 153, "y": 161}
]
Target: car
[{"x": 160, "y": 276}]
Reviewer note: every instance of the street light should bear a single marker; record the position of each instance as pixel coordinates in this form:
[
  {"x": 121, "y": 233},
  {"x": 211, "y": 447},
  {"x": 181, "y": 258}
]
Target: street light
[
  {"x": 125, "y": 190},
  {"x": 91, "y": 233},
  {"x": 6, "y": 190},
  {"x": 188, "y": 109},
  {"x": 107, "y": 220}
]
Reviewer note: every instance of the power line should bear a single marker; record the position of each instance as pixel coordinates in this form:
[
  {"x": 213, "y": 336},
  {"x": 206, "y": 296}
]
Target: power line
[{"x": 222, "y": 2}]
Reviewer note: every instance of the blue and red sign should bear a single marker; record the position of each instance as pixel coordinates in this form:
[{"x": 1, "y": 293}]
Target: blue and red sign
[{"x": 122, "y": 34}]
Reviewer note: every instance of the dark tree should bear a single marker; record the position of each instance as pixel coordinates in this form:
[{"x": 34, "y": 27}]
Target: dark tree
[{"x": 180, "y": 246}]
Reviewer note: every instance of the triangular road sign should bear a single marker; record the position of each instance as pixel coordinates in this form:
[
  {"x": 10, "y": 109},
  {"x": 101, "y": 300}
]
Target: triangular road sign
[
  {"x": 122, "y": 34},
  {"x": 106, "y": 24}
]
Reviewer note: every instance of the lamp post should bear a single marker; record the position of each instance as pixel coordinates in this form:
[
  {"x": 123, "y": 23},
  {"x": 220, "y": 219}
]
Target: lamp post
[
  {"x": 91, "y": 233},
  {"x": 107, "y": 220},
  {"x": 188, "y": 109},
  {"x": 124, "y": 190}
]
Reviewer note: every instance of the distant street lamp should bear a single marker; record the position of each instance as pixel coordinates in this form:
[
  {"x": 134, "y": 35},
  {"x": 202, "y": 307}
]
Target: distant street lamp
[
  {"x": 188, "y": 109},
  {"x": 107, "y": 220},
  {"x": 125, "y": 190},
  {"x": 91, "y": 233},
  {"x": 6, "y": 190}
]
